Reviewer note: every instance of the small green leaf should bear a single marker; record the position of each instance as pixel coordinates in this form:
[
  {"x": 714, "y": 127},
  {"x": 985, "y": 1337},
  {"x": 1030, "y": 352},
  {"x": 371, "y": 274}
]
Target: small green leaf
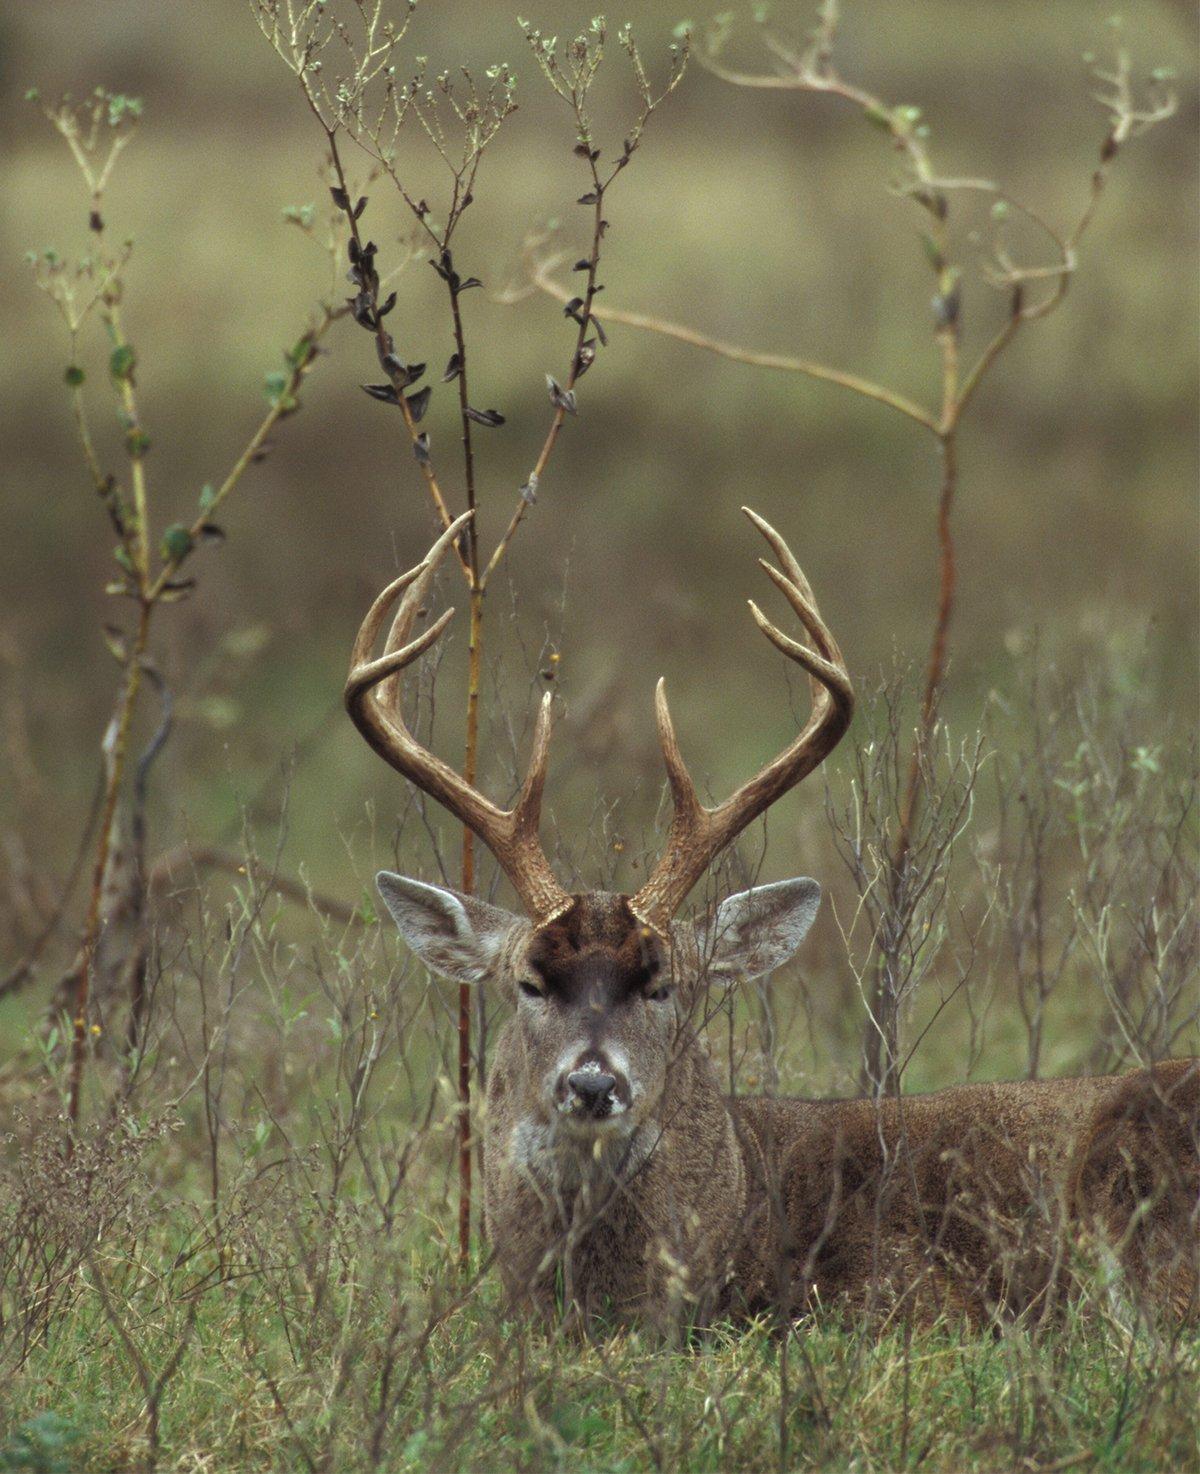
[
  {"x": 932, "y": 254},
  {"x": 300, "y": 353},
  {"x": 1000, "y": 210},
  {"x": 74, "y": 375},
  {"x": 137, "y": 443},
  {"x": 176, "y": 543},
  {"x": 879, "y": 117},
  {"x": 207, "y": 499},
  {"x": 121, "y": 107},
  {"x": 123, "y": 559},
  {"x": 121, "y": 361}
]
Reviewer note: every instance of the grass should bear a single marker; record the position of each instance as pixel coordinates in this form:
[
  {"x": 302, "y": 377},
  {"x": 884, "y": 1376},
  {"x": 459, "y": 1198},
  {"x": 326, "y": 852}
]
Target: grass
[
  {"x": 489, "y": 1393},
  {"x": 316, "y": 1321},
  {"x": 247, "y": 1262}
]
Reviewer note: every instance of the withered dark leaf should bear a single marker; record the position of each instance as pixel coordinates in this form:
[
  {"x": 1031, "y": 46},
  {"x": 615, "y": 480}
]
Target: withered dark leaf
[
  {"x": 600, "y": 333},
  {"x": 211, "y": 533},
  {"x": 340, "y": 198},
  {"x": 583, "y": 264},
  {"x": 360, "y": 207},
  {"x": 471, "y": 281},
  {"x": 488, "y": 417},
  {"x": 588, "y": 199},
  {"x": 585, "y": 357},
  {"x": 421, "y": 448},
  {"x": 445, "y": 269},
  {"x": 263, "y": 451},
  {"x": 946, "y": 307},
  {"x": 385, "y": 392},
  {"x": 453, "y": 369},
  {"x": 388, "y": 305},
  {"x": 559, "y": 397},
  {"x": 418, "y": 403}
]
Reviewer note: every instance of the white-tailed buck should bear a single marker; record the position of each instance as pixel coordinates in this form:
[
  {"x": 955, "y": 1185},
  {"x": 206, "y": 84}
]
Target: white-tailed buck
[{"x": 620, "y": 1179}]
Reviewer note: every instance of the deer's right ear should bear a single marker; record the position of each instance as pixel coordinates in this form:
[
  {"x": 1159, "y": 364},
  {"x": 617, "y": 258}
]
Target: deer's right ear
[{"x": 452, "y": 934}]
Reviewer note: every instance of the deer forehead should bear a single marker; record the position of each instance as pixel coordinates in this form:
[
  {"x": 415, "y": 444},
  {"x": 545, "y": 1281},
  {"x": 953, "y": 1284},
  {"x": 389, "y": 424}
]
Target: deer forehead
[{"x": 597, "y": 953}]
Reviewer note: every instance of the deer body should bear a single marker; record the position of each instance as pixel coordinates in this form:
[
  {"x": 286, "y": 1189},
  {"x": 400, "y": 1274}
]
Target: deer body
[
  {"x": 620, "y": 1180},
  {"x": 976, "y": 1198},
  {"x": 671, "y": 1201},
  {"x": 749, "y": 1203}
]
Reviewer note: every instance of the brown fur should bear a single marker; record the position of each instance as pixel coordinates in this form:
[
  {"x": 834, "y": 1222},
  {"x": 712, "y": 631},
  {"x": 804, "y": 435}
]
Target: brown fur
[{"x": 975, "y": 1199}]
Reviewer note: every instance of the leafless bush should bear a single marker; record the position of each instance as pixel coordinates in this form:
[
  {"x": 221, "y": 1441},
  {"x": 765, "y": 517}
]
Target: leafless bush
[
  {"x": 55, "y": 1204},
  {"x": 1094, "y": 864},
  {"x": 906, "y": 919}
]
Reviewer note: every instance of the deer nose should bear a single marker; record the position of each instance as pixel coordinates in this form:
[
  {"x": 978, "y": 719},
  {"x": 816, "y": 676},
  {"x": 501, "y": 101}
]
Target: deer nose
[{"x": 593, "y": 1090}]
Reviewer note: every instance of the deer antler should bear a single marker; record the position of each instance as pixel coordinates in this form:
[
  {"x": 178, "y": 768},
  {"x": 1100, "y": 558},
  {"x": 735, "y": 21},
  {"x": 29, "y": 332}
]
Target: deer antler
[
  {"x": 697, "y": 833},
  {"x": 372, "y": 698}
]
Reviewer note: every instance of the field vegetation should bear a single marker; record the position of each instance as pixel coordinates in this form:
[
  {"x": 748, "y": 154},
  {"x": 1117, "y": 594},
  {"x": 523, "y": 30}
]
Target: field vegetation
[{"x": 239, "y": 1218}]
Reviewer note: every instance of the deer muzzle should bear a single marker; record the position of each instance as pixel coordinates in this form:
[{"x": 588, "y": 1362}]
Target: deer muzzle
[{"x": 591, "y": 1091}]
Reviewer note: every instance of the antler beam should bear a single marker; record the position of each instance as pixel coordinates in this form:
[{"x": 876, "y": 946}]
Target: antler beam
[
  {"x": 698, "y": 834},
  {"x": 372, "y": 698}
]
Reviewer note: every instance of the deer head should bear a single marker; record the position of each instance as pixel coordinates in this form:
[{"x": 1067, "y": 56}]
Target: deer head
[{"x": 601, "y": 983}]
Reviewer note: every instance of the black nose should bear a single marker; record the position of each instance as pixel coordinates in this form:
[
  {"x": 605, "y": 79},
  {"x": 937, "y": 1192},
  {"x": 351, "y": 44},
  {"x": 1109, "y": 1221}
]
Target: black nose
[{"x": 592, "y": 1088}]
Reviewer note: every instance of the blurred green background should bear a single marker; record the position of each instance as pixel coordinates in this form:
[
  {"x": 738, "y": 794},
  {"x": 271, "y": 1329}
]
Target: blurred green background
[{"x": 763, "y": 218}]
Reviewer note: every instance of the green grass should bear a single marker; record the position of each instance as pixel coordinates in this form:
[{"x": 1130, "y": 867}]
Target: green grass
[
  {"x": 309, "y": 1309},
  {"x": 490, "y": 1393}
]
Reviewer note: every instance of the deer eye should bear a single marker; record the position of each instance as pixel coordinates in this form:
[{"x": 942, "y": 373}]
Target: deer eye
[
  {"x": 660, "y": 995},
  {"x": 530, "y": 989}
]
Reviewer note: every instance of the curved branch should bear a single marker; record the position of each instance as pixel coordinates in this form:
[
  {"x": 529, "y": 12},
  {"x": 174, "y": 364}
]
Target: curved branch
[{"x": 785, "y": 363}]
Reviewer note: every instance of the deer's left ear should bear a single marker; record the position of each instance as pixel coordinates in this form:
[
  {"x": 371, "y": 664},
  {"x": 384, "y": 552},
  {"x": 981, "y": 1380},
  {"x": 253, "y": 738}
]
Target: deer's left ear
[{"x": 757, "y": 931}]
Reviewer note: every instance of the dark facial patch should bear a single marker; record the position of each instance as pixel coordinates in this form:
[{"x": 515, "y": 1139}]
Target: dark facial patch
[{"x": 597, "y": 950}]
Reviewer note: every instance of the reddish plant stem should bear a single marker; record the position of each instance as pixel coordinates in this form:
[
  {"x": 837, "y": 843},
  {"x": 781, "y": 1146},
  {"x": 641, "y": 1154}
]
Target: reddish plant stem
[
  {"x": 123, "y": 720},
  {"x": 880, "y": 1065},
  {"x": 936, "y": 670},
  {"x": 470, "y": 771}
]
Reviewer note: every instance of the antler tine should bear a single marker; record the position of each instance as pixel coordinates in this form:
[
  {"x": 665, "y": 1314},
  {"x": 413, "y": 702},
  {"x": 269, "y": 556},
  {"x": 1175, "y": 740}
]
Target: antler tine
[
  {"x": 365, "y": 674},
  {"x": 528, "y": 807},
  {"x": 683, "y": 790},
  {"x": 372, "y": 699},
  {"x": 698, "y": 834},
  {"x": 389, "y": 688}
]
